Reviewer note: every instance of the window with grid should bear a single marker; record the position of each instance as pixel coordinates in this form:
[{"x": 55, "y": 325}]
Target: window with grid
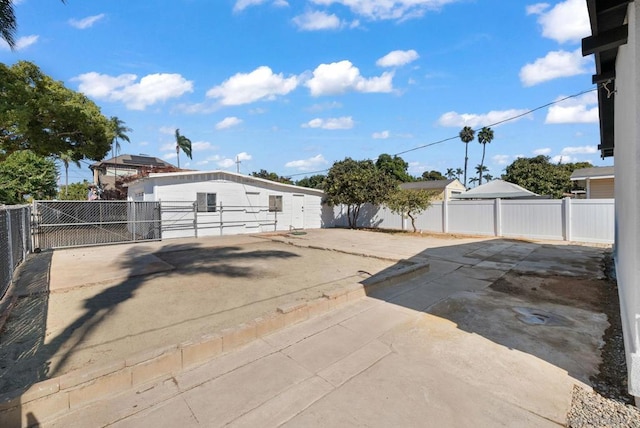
[
  {"x": 207, "y": 202},
  {"x": 275, "y": 203}
]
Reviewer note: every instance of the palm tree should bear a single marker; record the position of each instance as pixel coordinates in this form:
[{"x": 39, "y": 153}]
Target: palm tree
[
  {"x": 8, "y": 23},
  {"x": 66, "y": 158},
  {"x": 473, "y": 180},
  {"x": 118, "y": 131},
  {"x": 484, "y": 137},
  {"x": 481, "y": 169},
  {"x": 458, "y": 173},
  {"x": 451, "y": 173},
  {"x": 183, "y": 143},
  {"x": 488, "y": 177},
  {"x": 466, "y": 135}
]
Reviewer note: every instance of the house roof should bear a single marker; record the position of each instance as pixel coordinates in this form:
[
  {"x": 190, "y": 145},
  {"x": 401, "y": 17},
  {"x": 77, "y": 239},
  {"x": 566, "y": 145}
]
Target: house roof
[
  {"x": 597, "y": 172},
  {"x": 497, "y": 189},
  {"x": 608, "y": 32},
  {"x": 132, "y": 161},
  {"x": 428, "y": 185},
  {"x": 230, "y": 176}
]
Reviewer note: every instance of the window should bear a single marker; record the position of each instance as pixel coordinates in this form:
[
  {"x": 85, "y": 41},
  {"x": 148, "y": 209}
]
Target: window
[
  {"x": 275, "y": 203},
  {"x": 206, "y": 202}
]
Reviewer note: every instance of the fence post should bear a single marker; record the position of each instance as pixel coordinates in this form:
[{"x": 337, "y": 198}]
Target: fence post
[
  {"x": 221, "y": 210},
  {"x": 497, "y": 217},
  {"x": 9, "y": 235},
  {"x": 275, "y": 223},
  {"x": 445, "y": 216},
  {"x": 135, "y": 221},
  {"x": 566, "y": 208},
  {"x": 195, "y": 219},
  {"x": 26, "y": 230}
]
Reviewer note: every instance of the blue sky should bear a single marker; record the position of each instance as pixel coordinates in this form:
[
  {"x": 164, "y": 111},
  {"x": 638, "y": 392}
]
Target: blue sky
[{"x": 292, "y": 86}]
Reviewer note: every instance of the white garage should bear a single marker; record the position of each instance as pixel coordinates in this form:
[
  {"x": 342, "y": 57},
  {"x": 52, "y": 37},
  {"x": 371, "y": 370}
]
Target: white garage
[{"x": 209, "y": 203}]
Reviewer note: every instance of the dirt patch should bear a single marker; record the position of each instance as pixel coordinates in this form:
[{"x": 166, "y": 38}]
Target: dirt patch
[{"x": 579, "y": 292}]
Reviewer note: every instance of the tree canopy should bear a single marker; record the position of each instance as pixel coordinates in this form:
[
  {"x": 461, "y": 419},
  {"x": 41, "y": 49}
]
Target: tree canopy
[
  {"x": 432, "y": 175},
  {"x": 25, "y": 173},
  {"x": 184, "y": 144},
  {"x": 312, "y": 182},
  {"x": 539, "y": 175},
  {"x": 74, "y": 191},
  {"x": 395, "y": 167},
  {"x": 40, "y": 114},
  {"x": 410, "y": 202},
  {"x": 272, "y": 176},
  {"x": 355, "y": 183}
]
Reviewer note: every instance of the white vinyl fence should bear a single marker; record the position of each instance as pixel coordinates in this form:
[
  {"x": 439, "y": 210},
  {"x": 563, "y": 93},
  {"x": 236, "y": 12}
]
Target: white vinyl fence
[{"x": 578, "y": 220}]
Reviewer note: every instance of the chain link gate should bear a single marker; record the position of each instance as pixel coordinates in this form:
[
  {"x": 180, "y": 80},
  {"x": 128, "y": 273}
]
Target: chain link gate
[{"x": 64, "y": 224}]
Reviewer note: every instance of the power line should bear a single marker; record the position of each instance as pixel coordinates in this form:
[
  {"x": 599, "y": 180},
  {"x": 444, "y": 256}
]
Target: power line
[{"x": 518, "y": 116}]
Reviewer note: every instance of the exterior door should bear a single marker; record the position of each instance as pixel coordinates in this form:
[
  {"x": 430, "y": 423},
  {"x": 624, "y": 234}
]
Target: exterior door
[{"x": 297, "y": 212}]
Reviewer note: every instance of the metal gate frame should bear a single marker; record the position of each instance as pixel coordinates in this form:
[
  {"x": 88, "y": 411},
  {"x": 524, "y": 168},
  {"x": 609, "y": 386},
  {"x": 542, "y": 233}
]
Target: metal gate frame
[{"x": 67, "y": 224}]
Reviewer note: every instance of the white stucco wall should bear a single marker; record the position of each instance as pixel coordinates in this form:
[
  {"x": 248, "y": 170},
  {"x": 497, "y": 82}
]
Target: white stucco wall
[
  {"x": 627, "y": 173},
  {"x": 244, "y": 199}
]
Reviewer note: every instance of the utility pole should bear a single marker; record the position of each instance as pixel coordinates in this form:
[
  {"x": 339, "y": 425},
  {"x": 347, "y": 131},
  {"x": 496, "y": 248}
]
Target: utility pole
[{"x": 238, "y": 164}]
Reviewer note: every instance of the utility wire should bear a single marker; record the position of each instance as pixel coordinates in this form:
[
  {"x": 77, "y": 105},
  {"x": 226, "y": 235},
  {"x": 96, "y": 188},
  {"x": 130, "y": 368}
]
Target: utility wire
[{"x": 518, "y": 116}]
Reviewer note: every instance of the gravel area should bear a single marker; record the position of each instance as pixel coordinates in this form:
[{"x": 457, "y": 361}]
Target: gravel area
[{"x": 609, "y": 404}]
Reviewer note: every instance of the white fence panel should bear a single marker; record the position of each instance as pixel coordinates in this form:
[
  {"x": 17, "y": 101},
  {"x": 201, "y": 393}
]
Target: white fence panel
[
  {"x": 537, "y": 218},
  {"x": 471, "y": 217},
  {"x": 431, "y": 219},
  {"x": 593, "y": 220}
]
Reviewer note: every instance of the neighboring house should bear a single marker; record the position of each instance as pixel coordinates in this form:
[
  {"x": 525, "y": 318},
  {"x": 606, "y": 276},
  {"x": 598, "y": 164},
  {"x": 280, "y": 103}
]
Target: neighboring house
[
  {"x": 106, "y": 171},
  {"x": 498, "y": 189},
  {"x": 615, "y": 42},
  {"x": 226, "y": 203},
  {"x": 444, "y": 189},
  {"x": 597, "y": 181}
]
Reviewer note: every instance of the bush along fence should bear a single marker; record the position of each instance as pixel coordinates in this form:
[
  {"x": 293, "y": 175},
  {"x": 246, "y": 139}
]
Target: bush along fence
[
  {"x": 15, "y": 242},
  {"x": 576, "y": 220}
]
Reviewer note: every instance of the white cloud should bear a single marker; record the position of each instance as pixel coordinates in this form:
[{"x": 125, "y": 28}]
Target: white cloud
[
  {"x": 380, "y": 135},
  {"x": 150, "y": 90},
  {"x": 307, "y": 164},
  {"x": 388, "y": 9},
  {"x": 324, "y": 106},
  {"x": 458, "y": 120},
  {"x": 168, "y": 130},
  {"x": 567, "y": 21},
  {"x": 501, "y": 159},
  {"x": 245, "y": 88},
  {"x": 316, "y": 20},
  {"x": 583, "y": 109},
  {"x": 554, "y": 65},
  {"x": 563, "y": 159},
  {"x": 340, "y": 77},
  {"x": 244, "y": 156},
  {"x": 228, "y": 122},
  {"x": 21, "y": 43},
  {"x": 580, "y": 150},
  {"x": 202, "y": 145},
  {"x": 537, "y": 9},
  {"x": 398, "y": 58},
  {"x": 544, "y": 151},
  {"x": 331, "y": 123},
  {"x": 243, "y": 4},
  {"x": 226, "y": 163},
  {"x": 169, "y": 156},
  {"x": 87, "y": 22},
  {"x": 167, "y": 147}
]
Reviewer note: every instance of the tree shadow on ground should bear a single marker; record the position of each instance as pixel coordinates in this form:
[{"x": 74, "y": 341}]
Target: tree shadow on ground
[{"x": 26, "y": 352}]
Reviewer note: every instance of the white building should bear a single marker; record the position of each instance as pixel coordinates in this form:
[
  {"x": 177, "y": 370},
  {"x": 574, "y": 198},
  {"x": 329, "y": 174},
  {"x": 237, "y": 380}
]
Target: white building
[
  {"x": 208, "y": 203},
  {"x": 615, "y": 42}
]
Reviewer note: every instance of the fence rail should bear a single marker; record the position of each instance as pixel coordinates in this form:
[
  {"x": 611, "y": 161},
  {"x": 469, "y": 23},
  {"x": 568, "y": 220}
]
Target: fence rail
[
  {"x": 579, "y": 220},
  {"x": 63, "y": 224},
  {"x": 15, "y": 242}
]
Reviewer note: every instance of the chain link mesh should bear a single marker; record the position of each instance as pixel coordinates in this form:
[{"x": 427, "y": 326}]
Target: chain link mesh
[
  {"x": 61, "y": 224},
  {"x": 15, "y": 242}
]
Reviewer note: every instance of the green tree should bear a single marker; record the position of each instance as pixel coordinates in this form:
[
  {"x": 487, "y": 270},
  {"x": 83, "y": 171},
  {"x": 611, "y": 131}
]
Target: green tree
[
  {"x": 272, "y": 176},
  {"x": 67, "y": 158},
  {"x": 24, "y": 173},
  {"x": 74, "y": 191},
  {"x": 312, "y": 182},
  {"x": 395, "y": 167},
  {"x": 466, "y": 135},
  {"x": 481, "y": 170},
  {"x": 117, "y": 131},
  {"x": 42, "y": 115},
  {"x": 355, "y": 183},
  {"x": 409, "y": 202},
  {"x": 450, "y": 174},
  {"x": 473, "y": 180},
  {"x": 485, "y": 136},
  {"x": 432, "y": 176},
  {"x": 487, "y": 177},
  {"x": 539, "y": 175},
  {"x": 8, "y": 23},
  {"x": 184, "y": 144}
]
